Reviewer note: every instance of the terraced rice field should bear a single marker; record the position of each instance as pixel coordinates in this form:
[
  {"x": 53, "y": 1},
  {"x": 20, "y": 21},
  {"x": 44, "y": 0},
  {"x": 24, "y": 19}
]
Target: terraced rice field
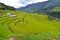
[{"x": 28, "y": 26}]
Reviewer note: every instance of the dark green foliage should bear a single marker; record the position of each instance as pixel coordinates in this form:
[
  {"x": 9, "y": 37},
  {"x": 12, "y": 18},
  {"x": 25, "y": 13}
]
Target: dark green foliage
[
  {"x": 5, "y": 7},
  {"x": 53, "y": 15}
]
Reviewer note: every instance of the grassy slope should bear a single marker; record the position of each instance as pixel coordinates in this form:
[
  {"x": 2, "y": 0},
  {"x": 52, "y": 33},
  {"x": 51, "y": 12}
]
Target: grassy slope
[
  {"x": 32, "y": 23},
  {"x": 56, "y": 9}
]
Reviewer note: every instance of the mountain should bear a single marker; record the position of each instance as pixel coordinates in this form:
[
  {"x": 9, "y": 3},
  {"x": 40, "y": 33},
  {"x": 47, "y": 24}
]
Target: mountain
[
  {"x": 5, "y": 7},
  {"x": 41, "y": 6}
]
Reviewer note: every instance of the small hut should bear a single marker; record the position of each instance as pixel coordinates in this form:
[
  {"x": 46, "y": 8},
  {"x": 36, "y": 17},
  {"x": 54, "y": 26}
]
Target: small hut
[{"x": 11, "y": 15}]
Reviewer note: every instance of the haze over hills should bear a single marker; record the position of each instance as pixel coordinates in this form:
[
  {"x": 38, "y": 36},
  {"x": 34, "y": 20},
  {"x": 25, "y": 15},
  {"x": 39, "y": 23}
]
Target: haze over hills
[{"x": 41, "y": 6}]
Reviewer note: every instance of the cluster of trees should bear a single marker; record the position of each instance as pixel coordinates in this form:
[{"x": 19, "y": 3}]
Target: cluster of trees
[
  {"x": 5, "y": 7},
  {"x": 53, "y": 15}
]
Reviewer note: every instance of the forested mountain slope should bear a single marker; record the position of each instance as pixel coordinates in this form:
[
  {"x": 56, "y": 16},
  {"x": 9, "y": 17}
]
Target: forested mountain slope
[{"x": 41, "y": 6}]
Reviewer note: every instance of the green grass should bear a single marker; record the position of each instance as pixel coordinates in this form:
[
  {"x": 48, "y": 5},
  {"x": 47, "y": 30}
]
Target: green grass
[
  {"x": 31, "y": 26},
  {"x": 56, "y": 9}
]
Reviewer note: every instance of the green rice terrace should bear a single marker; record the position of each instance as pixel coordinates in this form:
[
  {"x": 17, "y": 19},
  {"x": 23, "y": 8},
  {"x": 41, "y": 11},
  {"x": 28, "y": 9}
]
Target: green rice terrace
[{"x": 18, "y": 25}]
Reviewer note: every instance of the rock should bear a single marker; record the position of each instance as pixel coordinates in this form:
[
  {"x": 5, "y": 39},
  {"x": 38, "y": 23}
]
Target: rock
[{"x": 11, "y": 39}]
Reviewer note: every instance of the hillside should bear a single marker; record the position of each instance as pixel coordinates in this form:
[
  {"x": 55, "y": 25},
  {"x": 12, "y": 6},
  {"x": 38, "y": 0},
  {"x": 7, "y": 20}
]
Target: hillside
[
  {"x": 56, "y": 9},
  {"x": 20, "y": 25},
  {"x": 5, "y": 7},
  {"x": 26, "y": 25},
  {"x": 55, "y": 12},
  {"x": 41, "y": 6},
  {"x": 50, "y": 7}
]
